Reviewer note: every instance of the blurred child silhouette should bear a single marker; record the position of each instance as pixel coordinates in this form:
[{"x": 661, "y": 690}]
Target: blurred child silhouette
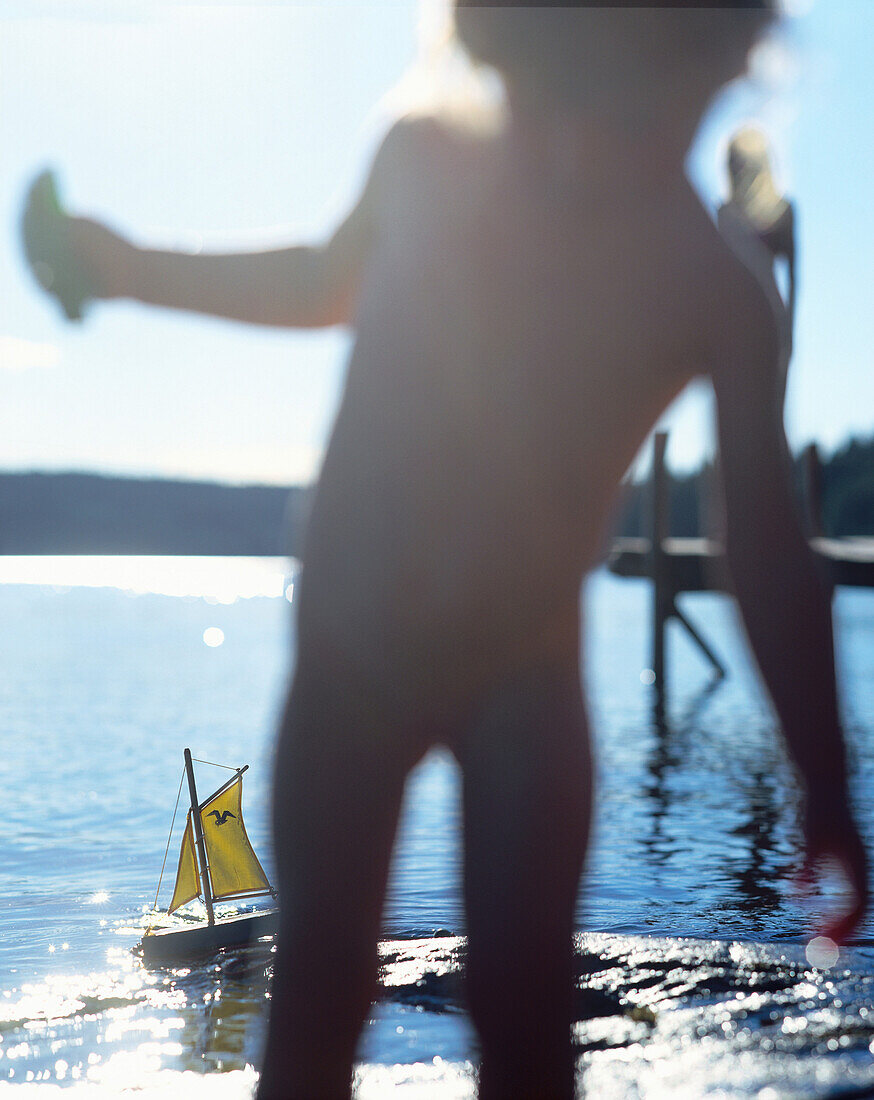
[
  {"x": 759, "y": 222},
  {"x": 526, "y": 300}
]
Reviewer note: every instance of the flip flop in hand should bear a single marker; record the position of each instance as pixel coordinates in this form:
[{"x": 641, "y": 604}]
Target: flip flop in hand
[{"x": 48, "y": 246}]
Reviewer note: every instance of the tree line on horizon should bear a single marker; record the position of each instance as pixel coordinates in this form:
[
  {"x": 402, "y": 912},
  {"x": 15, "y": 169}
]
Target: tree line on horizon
[
  {"x": 78, "y": 513},
  {"x": 846, "y": 496}
]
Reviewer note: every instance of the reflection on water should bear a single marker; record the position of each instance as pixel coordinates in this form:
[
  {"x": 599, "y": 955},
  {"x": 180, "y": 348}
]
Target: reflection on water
[
  {"x": 752, "y": 867},
  {"x": 654, "y": 1016},
  {"x": 694, "y": 846},
  {"x": 756, "y": 870}
]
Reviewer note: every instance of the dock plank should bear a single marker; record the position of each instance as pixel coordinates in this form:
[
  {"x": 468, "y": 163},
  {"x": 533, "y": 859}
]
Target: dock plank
[{"x": 699, "y": 565}]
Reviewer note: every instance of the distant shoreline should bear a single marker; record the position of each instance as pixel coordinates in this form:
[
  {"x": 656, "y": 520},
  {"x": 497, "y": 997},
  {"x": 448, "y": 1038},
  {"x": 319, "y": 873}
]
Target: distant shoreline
[
  {"x": 90, "y": 513},
  {"x": 81, "y": 513}
]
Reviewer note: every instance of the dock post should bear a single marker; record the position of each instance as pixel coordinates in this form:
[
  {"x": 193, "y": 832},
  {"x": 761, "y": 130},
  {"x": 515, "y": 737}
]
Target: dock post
[
  {"x": 663, "y": 597},
  {"x": 696, "y": 637},
  {"x": 664, "y": 582},
  {"x": 812, "y": 478},
  {"x": 198, "y": 836}
]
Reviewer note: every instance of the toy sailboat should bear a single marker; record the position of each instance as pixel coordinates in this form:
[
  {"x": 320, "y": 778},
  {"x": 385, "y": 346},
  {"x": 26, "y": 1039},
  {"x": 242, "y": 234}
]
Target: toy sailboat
[{"x": 217, "y": 864}]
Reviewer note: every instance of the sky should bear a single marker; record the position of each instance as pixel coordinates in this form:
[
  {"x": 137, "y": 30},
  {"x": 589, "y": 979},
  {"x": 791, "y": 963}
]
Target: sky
[{"x": 234, "y": 126}]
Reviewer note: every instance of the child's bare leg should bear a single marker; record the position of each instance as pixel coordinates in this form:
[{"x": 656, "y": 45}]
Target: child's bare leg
[
  {"x": 338, "y": 786},
  {"x": 527, "y": 797}
]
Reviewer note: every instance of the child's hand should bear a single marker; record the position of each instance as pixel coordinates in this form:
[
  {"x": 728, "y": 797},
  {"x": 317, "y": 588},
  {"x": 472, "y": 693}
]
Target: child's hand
[
  {"x": 831, "y": 834},
  {"x": 73, "y": 259}
]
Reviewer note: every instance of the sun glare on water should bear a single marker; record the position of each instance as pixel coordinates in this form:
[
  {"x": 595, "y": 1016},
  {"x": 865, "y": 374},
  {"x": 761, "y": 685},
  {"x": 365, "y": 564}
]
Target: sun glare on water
[{"x": 216, "y": 580}]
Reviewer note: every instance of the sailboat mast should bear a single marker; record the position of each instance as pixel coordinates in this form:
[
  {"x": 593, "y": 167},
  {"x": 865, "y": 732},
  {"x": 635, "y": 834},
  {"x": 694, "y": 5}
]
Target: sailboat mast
[{"x": 198, "y": 835}]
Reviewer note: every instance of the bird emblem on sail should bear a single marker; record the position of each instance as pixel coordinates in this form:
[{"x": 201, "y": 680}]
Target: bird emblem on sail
[{"x": 220, "y": 818}]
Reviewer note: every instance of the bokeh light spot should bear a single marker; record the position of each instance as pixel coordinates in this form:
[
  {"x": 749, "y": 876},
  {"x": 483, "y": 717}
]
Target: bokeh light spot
[{"x": 822, "y": 952}]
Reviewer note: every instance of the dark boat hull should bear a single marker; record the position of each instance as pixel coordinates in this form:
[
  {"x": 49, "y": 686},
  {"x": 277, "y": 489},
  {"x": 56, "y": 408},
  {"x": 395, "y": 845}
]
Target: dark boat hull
[{"x": 179, "y": 945}]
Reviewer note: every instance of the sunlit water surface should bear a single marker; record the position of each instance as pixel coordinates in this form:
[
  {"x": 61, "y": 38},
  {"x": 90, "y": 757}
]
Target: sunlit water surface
[{"x": 694, "y": 978}]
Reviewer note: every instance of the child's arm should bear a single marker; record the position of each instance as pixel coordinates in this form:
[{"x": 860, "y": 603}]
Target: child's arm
[
  {"x": 304, "y": 286},
  {"x": 785, "y": 604}
]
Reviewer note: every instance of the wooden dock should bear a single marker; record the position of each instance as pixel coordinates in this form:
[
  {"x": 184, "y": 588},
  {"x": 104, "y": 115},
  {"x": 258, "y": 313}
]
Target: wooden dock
[
  {"x": 698, "y": 565},
  {"x": 679, "y": 565}
]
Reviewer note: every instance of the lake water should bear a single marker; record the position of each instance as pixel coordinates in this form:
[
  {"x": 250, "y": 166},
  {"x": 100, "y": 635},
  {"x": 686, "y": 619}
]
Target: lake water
[{"x": 694, "y": 976}]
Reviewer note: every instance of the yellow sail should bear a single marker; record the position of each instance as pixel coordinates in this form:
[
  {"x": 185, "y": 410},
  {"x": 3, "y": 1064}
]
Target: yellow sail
[
  {"x": 233, "y": 866},
  {"x": 187, "y": 882}
]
